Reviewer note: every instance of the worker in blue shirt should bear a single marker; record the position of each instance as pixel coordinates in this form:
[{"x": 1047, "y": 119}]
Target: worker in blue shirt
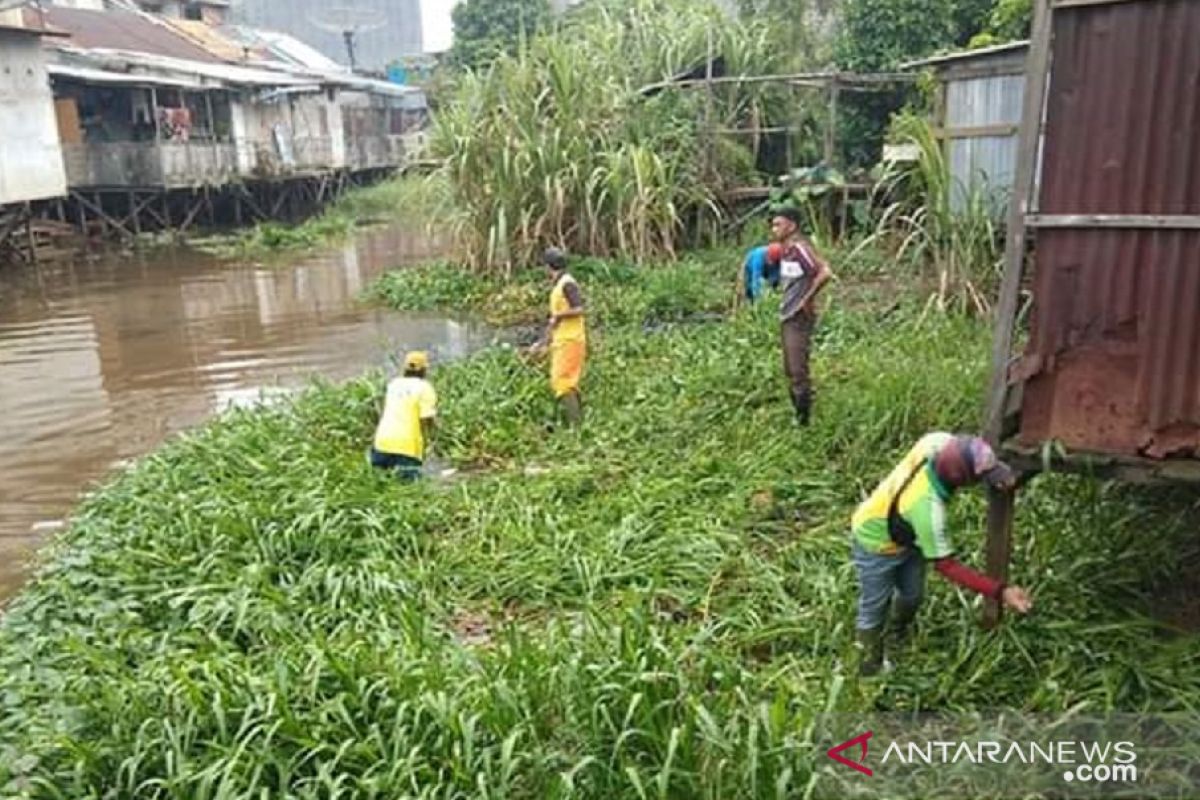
[{"x": 761, "y": 267}]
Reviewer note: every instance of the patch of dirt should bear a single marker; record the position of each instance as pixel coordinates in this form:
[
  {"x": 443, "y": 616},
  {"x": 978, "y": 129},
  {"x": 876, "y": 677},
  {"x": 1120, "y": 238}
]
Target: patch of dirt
[{"x": 472, "y": 629}]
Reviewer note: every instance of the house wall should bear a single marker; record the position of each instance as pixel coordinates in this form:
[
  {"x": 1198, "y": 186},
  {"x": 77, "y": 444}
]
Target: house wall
[{"x": 31, "y": 159}]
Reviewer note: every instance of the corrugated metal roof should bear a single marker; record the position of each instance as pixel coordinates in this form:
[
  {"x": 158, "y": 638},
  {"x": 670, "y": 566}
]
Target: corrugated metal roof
[
  {"x": 230, "y": 74},
  {"x": 967, "y": 55},
  {"x": 120, "y": 29},
  {"x": 90, "y": 75},
  {"x": 209, "y": 38},
  {"x": 22, "y": 30},
  {"x": 1115, "y": 347},
  {"x": 292, "y": 49}
]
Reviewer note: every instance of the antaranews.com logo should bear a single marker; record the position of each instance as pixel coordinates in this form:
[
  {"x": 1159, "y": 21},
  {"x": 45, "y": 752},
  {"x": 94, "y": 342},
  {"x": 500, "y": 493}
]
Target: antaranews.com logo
[
  {"x": 1095, "y": 756},
  {"x": 1007, "y": 755}
]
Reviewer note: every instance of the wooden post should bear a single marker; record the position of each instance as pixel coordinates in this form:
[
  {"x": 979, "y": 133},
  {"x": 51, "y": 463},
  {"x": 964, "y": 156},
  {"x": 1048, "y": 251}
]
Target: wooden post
[
  {"x": 29, "y": 233},
  {"x": 212, "y": 122},
  {"x": 709, "y": 127},
  {"x": 135, "y": 211},
  {"x": 1022, "y": 200},
  {"x": 82, "y": 216},
  {"x": 1001, "y": 508},
  {"x": 831, "y": 126},
  {"x": 154, "y": 113}
]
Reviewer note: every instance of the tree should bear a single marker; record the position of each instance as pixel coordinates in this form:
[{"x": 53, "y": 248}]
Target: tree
[
  {"x": 484, "y": 29},
  {"x": 879, "y": 36},
  {"x": 1009, "y": 20}
]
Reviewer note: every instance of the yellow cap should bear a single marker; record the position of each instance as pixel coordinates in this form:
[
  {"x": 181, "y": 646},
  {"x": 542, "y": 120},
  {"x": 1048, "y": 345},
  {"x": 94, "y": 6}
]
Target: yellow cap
[{"x": 416, "y": 359}]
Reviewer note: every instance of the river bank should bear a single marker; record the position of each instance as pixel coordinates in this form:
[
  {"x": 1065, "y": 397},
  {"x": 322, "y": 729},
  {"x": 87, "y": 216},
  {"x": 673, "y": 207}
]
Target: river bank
[
  {"x": 104, "y": 358},
  {"x": 658, "y": 605}
]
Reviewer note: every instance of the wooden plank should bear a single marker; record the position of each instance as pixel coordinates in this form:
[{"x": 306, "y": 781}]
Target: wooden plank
[
  {"x": 66, "y": 113},
  {"x": 1130, "y": 221},
  {"x": 999, "y": 532},
  {"x": 197, "y": 206},
  {"x": 757, "y": 131},
  {"x": 1001, "y": 508},
  {"x": 830, "y": 149},
  {"x": 1129, "y": 469},
  {"x": 99, "y": 211},
  {"x": 1022, "y": 199},
  {"x": 814, "y": 79},
  {"x": 1083, "y": 3},
  {"x": 970, "y": 73},
  {"x": 978, "y": 131}
]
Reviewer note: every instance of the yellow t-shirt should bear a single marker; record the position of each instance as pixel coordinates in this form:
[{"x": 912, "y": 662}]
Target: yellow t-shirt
[
  {"x": 409, "y": 400},
  {"x": 570, "y": 329}
]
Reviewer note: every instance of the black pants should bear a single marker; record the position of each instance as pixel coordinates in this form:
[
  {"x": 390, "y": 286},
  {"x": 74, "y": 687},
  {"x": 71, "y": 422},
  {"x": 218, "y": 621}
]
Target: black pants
[{"x": 406, "y": 468}]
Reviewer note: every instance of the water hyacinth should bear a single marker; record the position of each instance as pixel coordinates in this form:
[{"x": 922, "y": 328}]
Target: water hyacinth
[{"x": 656, "y": 606}]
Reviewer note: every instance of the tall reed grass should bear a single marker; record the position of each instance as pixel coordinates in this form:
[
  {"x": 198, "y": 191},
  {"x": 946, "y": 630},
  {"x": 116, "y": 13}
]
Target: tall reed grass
[
  {"x": 937, "y": 222},
  {"x": 557, "y": 145}
]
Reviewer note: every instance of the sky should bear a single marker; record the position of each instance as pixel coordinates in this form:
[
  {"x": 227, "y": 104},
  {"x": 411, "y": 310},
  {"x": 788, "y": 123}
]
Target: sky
[{"x": 438, "y": 33}]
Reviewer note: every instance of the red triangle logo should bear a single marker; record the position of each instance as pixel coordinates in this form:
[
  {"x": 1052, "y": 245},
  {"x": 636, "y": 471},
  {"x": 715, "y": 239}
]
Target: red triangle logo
[{"x": 861, "y": 740}]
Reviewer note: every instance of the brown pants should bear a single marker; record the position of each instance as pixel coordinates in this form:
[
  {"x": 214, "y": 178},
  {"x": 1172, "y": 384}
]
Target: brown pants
[{"x": 797, "y": 337}]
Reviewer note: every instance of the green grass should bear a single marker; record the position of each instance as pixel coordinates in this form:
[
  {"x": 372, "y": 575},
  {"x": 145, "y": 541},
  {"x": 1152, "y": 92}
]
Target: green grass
[
  {"x": 410, "y": 198},
  {"x": 661, "y": 603}
]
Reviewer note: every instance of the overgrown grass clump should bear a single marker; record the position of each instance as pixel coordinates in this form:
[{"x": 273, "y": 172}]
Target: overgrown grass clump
[
  {"x": 409, "y": 198},
  {"x": 559, "y": 142},
  {"x": 657, "y": 606}
]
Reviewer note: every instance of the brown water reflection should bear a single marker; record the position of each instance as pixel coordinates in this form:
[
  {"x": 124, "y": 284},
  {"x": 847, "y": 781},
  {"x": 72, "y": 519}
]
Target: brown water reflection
[{"x": 102, "y": 359}]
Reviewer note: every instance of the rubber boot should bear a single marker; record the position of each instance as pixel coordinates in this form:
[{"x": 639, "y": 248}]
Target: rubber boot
[
  {"x": 802, "y": 402},
  {"x": 572, "y": 406},
  {"x": 870, "y": 642},
  {"x": 903, "y": 620}
]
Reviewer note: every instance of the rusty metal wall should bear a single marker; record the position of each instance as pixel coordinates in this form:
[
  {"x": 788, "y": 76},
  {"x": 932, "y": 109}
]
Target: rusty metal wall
[{"x": 1114, "y": 355}]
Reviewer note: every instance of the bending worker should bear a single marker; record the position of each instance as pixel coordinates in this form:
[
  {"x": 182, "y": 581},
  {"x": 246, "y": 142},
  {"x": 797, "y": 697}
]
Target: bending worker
[
  {"x": 407, "y": 422},
  {"x": 902, "y": 526},
  {"x": 761, "y": 266}
]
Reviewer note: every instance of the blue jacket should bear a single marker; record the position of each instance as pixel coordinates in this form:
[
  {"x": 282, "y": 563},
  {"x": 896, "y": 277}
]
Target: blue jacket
[{"x": 757, "y": 271}]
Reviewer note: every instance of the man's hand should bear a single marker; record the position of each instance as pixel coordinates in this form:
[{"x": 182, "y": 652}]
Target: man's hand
[{"x": 1016, "y": 599}]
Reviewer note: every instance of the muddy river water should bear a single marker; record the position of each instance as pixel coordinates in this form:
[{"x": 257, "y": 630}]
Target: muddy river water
[{"x": 104, "y": 357}]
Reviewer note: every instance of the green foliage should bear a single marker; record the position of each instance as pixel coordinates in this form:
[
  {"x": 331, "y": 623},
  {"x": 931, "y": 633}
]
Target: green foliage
[
  {"x": 412, "y": 198},
  {"x": 557, "y": 145},
  {"x": 1010, "y": 20},
  {"x": 657, "y": 606},
  {"x": 879, "y": 35},
  {"x": 487, "y": 29},
  {"x": 939, "y": 224}
]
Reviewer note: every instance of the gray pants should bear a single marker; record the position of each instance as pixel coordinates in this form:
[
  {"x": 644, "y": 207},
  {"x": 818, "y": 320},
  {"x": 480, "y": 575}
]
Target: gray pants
[
  {"x": 797, "y": 339},
  {"x": 880, "y": 577}
]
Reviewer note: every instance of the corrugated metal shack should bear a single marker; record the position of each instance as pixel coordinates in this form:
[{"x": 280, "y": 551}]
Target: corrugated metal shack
[
  {"x": 978, "y": 114},
  {"x": 1110, "y": 367}
]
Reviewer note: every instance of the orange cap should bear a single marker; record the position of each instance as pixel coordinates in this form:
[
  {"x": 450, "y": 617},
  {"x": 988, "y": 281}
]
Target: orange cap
[{"x": 774, "y": 252}]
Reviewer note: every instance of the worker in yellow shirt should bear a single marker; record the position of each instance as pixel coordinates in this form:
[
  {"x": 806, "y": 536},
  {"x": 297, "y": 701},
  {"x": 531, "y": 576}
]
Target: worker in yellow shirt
[
  {"x": 566, "y": 335},
  {"x": 406, "y": 425}
]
